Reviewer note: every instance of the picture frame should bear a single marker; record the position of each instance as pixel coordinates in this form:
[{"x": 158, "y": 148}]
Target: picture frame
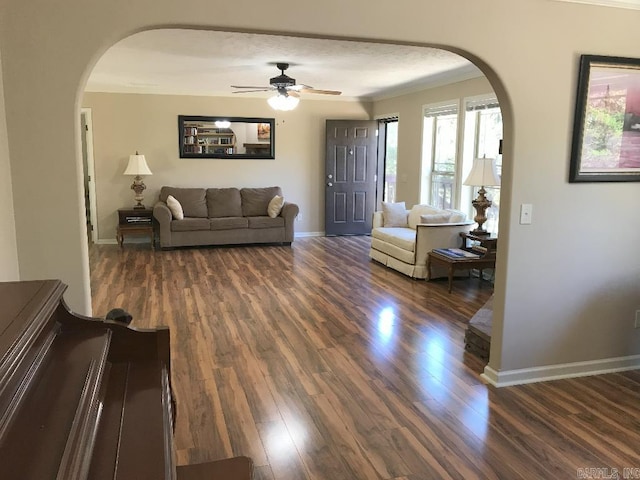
[
  {"x": 606, "y": 130},
  {"x": 230, "y": 138}
]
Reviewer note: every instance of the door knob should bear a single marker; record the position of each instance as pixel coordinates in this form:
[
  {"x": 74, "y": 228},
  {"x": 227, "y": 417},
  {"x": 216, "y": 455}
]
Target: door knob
[{"x": 329, "y": 184}]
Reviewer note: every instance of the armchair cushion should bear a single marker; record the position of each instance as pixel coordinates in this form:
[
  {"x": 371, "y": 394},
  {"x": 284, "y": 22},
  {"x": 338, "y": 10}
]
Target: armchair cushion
[
  {"x": 418, "y": 210},
  {"x": 394, "y": 214},
  {"x": 402, "y": 237},
  {"x": 435, "y": 218}
]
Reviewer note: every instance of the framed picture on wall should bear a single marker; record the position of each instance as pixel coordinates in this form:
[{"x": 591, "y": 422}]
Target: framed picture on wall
[
  {"x": 606, "y": 129},
  {"x": 264, "y": 131}
]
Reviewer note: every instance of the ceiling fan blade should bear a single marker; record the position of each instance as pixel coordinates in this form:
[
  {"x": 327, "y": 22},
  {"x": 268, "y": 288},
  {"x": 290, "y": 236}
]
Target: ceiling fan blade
[
  {"x": 323, "y": 92},
  {"x": 293, "y": 93},
  {"x": 245, "y": 86},
  {"x": 252, "y": 91}
]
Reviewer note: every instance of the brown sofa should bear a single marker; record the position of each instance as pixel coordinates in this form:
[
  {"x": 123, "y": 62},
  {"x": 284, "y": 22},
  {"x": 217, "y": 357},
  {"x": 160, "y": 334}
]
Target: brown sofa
[{"x": 223, "y": 216}]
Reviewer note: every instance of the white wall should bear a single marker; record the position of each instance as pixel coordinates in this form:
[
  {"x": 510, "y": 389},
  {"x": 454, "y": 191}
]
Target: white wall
[
  {"x": 124, "y": 123},
  {"x": 566, "y": 290},
  {"x": 8, "y": 248}
]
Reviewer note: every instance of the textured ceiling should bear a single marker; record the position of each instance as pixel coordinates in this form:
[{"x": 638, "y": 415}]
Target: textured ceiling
[{"x": 197, "y": 62}]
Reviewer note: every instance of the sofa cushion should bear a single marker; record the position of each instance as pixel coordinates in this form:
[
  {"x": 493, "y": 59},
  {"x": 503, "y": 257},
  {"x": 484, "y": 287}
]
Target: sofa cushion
[
  {"x": 175, "y": 207},
  {"x": 418, "y": 210},
  {"x": 256, "y": 200},
  {"x": 224, "y": 202},
  {"x": 404, "y": 238},
  {"x": 190, "y": 224},
  {"x": 192, "y": 200},
  {"x": 228, "y": 223},
  {"x": 265, "y": 222},
  {"x": 394, "y": 214}
]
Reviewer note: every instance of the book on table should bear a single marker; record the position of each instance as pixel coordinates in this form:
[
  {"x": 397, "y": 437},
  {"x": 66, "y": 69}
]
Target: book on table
[{"x": 457, "y": 253}]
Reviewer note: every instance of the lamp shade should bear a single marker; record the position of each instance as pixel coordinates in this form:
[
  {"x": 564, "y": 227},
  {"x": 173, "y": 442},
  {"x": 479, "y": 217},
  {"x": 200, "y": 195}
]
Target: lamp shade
[
  {"x": 137, "y": 166},
  {"x": 483, "y": 173},
  {"x": 283, "y": 102}
]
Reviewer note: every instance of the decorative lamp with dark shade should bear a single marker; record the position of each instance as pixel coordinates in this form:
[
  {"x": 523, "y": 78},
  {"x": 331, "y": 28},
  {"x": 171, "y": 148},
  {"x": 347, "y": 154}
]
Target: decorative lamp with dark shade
[
  {"x": 483, "y": 174},
  {"x": 138, "y": 166}
]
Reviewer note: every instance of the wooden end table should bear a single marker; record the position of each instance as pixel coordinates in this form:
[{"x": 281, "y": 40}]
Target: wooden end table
[
  {"x": 486, "y": 260},
  {"x": 135, "y": 221}
]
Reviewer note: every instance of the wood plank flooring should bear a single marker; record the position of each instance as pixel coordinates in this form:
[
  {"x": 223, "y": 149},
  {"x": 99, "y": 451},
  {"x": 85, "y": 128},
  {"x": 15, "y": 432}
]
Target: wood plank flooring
[{"x": 321, "y": 364}]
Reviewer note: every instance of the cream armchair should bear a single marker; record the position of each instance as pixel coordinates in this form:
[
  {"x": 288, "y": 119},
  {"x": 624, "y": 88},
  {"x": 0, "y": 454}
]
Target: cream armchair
[{"x": 405, "y": 248}]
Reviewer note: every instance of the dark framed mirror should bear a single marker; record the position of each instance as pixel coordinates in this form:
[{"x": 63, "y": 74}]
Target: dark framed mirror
[{"x": 226, "y": 137}]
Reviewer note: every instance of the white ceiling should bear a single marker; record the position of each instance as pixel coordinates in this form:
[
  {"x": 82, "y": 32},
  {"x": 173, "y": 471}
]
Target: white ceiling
[{"x": 198, "y": 62}]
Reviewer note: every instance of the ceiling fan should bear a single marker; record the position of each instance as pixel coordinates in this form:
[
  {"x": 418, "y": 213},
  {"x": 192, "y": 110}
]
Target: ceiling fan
[{"x": 284, "y": 85}]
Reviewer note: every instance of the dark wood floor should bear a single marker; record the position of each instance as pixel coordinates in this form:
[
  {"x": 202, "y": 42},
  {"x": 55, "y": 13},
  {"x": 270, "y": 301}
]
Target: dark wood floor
[{"x": 320, "y": 364}]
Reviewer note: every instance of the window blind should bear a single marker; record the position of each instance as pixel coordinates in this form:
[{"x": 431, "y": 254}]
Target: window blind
[
  {"x": 481, "y": 104},
  {"x": 440, "y": 110}
]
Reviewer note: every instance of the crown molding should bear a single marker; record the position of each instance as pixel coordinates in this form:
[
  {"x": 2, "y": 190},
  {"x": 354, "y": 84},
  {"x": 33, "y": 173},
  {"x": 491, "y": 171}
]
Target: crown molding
[{"x": 628, "y": 4}]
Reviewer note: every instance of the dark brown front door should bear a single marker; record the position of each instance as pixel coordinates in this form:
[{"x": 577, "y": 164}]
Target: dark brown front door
[{"x": 350, "y": 176}]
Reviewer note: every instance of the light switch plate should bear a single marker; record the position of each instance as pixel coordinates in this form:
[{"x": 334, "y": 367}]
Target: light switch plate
[{"x": 526, "y": 211}]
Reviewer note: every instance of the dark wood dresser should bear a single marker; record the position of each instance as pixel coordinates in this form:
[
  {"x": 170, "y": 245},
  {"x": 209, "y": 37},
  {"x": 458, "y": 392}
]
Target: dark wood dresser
[{"x": 85, "y": 398}]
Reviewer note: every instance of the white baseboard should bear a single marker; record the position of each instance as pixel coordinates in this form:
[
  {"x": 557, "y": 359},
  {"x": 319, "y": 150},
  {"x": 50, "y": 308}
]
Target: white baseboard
[
  {"x": 107, "y": 241},
  {"x": 557, "y": 372},
  {"x": 308, "y": 234}
]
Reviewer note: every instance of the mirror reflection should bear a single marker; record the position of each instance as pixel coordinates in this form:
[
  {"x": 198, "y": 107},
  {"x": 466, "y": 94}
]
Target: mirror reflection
[{"x": 226, "y": 137}]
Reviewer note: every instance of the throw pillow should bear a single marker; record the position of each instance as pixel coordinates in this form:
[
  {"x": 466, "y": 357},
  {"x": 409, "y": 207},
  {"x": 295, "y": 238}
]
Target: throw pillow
[
  {"x": 175, "y": 207},
  {"x": 394, "y": 214},
  {"x": 275, "y": 206},
  {"x": 436, "y": 218}
]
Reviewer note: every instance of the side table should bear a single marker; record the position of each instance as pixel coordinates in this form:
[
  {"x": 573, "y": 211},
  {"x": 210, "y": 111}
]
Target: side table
[
  {"x": 486, "y": 251},
  {"x": 135, "y": 221}
]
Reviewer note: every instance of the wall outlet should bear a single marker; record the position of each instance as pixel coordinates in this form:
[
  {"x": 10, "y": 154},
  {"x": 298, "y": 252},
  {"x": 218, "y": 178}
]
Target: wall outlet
[{"x": 637, "y": 324}]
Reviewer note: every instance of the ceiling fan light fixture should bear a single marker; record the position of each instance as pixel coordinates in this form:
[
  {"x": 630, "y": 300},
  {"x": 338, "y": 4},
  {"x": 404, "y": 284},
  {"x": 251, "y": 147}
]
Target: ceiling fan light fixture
[{"x": 283, "y": 102}]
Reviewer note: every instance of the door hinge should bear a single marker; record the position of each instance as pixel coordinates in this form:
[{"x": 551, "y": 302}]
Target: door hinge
[{"x": 86, "y": 127}]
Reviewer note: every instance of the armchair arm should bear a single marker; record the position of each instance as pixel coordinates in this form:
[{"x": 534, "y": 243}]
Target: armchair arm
[
  {"x": 289, "y": 212},
  {"x": 437, "y": 235},
  {"x": 163, "y": 215}
]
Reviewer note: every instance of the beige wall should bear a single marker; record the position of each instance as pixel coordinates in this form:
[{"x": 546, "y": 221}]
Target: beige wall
[
  {"x": 566, "y": 290},
  {"x": 124, "y": 123},
  {"x": 409, "y": 110},
  {"x": 8, "y": 248}
]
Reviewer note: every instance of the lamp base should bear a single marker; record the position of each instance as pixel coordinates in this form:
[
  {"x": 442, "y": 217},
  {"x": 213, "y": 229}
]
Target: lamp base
[
  {"x": 480, "y": 233},
  {"x": 481, "y": 204},
  {"x": 138, "y": 187}
]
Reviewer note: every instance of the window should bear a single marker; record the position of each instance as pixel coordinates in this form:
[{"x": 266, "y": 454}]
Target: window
[
  {"x": 390, "y": 158},
  {"x": 439, "y": 154},
  {"x": 447, "y": 157},
  {"x": 482, "y": 133}
]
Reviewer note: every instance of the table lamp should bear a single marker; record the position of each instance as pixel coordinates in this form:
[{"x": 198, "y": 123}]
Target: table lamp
[
  {"x": 483, "y": 174},
  {"x": 137, "y": 166}
]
